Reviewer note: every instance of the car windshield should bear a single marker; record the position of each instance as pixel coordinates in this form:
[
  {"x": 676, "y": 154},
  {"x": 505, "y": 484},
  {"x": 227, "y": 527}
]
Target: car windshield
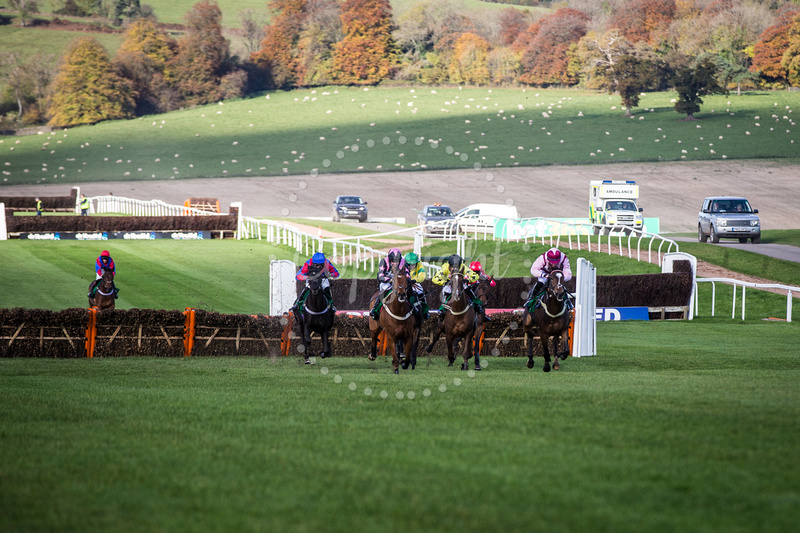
[
  {"x": 440, "y": 212},
  {"x": 620, "y": 205},
  {"x": 350, "y": 200},
  {"x": 731, "y": 206}
]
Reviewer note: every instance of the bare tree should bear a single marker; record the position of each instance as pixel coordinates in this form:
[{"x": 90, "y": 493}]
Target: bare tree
[{"x": 253, "y": 33}]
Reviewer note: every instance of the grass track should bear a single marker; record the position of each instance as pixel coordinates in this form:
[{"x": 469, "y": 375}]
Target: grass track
[{"x": 673, "y": 426}]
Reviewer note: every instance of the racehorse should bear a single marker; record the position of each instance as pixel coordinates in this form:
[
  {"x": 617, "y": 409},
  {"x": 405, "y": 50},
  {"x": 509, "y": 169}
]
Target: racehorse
[
  {"x": 551, "y": 317},
  {"x": 398, "y": 321},
  {"x": 460, "y": 322},
  {"x": 104, "y": 295},
  {"x": 315, "y": 316}
]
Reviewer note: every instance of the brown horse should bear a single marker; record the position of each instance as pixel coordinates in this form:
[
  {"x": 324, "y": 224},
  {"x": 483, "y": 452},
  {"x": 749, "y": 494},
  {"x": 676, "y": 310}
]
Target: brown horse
[
  {"x": 398, "y": 321},
  {"x": 459, "y": 323},
  {"x": 551, "y": 317},
  {"x": 104, "y": 297}
]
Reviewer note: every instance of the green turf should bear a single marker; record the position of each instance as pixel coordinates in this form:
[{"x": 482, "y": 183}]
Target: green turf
[
  {"x": 672, "y": 427},
  {"x": 318, "y": 131},
  {"x": 233, "y": 276}
]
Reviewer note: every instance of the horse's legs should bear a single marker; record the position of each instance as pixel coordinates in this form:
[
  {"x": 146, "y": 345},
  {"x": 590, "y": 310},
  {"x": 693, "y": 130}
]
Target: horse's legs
[
  {"x": 467, "y": 352},
  {"x": 450, "y": 355},
  {"x": 399, "y": 349},
  {"x": 476, "y": 341},
  {"x": 374, "y": 350},
  {"x": 429, "y": 348},
  {"x": 529, "y": 335},
  {"x": 326, "y": 347},
  {"x": 546, "y": 348}
]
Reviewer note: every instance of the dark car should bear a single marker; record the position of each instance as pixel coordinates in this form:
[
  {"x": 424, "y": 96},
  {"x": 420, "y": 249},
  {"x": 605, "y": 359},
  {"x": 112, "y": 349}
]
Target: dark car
[
  {"x": 437, "y": 215},
  {"x": 728, "y": 217},
  {"x": 349, "y": 207}
]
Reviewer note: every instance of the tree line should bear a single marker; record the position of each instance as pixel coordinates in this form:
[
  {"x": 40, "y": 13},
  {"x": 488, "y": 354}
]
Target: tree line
[{"x": 695, "y": 47}]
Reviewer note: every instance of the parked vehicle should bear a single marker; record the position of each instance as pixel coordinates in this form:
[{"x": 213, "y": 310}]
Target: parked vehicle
[
  {"x": 435, "y": 217},
  {"x": 349, "y": 207},
  {"x": 728, "y": 217},
  {"x": 483, "y": 217},
  {"x": 613, "y": 203}
]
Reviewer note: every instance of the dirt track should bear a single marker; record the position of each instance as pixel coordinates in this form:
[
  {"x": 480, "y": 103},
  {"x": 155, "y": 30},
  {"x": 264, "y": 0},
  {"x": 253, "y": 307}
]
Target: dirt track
[{"x": 671, "y": 191}]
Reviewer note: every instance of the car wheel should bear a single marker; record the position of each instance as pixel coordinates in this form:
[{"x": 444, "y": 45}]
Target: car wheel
[
  {"x": 713, "y": 236},
  {"x": 335, "y": 216},
  {"x": 362, "y": 219},
  {"x": 755, "y": 240},
  {"x": 701, "y": 237}
]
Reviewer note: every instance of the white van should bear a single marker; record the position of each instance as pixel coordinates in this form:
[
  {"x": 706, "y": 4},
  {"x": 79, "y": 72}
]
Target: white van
[{"x": 483, "y": 217}]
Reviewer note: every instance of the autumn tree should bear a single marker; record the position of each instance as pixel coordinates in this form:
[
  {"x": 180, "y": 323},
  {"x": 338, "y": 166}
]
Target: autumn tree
[
  {"x": 28, "y": 80},
  {"x": 630, "y": 76},
  {"x": 86, "y": 89},
  {"x": 470, "y": 60},
  {"x": 320, "y": 31},
  {"x": 772, "y": 45},
  {"x": 367, "y": 53},
  {"x": 692, "y": 83},
  {"x": 643, "y": 20},
  {"x": 791, "y": 57},
  {"x": 144, "y": 57},
  {"x": 277, "y": 56},
  {"x": 545, "y": 58},
  {"x": 203, "y": 70}
]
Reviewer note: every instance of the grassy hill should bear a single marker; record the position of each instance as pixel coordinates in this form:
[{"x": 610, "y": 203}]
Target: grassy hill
[{"x": 339, "y": 129}]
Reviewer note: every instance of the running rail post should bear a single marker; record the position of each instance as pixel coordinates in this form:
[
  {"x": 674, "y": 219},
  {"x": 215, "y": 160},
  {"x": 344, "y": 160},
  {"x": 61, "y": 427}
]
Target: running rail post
[{"x": 585, "y": 342}]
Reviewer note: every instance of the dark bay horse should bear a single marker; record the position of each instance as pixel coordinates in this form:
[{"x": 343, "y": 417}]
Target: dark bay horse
[
  {"x": 398, "y": 321},
  {"x": 104, "y": 297},
  {"x": 551, "y": 317},
  {"x": 315, "y": 316},
  {"x": 460, "y": 322}
]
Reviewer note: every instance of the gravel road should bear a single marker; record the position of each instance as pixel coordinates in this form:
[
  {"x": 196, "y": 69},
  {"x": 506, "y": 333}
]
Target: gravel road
[{"x": 670, "y": 191}]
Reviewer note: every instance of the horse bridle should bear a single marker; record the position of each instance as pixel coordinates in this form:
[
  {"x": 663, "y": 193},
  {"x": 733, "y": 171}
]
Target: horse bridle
[
  {"x": 460, "y": 288},
  {"x": 401, "y": 297},
  {"x": 558, "y": 298},
  {"x": 313, "y": 290}
]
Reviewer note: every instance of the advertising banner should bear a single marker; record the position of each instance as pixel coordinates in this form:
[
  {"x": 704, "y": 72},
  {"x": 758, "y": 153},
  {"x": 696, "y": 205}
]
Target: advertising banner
[
  {"x": 109, "y": 235},
  {"x": 606, "y": 314},
  {"x": 540, "y": 227}
]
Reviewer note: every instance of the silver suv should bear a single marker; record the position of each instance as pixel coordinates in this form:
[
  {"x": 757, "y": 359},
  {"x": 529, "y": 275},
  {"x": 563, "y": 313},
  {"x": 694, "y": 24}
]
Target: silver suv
[{"x": 728, "y": 217}]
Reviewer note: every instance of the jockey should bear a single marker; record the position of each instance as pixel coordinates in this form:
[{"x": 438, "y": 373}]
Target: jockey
[
  {"x": 318, "y": 265},
  {"x": 103, "y": 262},
  {"x": 455, "y": 263},
  {"x": 477, "y": 267},
  {"x": 552, "y": 259},
  {"x": 417, "y": 274},
  {"x": 395, "y": 257}
]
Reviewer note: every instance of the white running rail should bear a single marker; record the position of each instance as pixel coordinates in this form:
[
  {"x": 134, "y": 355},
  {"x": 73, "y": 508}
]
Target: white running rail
[{"x": 736, "y": 283}]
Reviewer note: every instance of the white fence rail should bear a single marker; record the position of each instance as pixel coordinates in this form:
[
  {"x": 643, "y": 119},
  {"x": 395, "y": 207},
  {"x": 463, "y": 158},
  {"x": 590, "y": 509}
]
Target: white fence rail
[
  {"x": 585, "y": 328},
  {"x": 744, "y": 284}
]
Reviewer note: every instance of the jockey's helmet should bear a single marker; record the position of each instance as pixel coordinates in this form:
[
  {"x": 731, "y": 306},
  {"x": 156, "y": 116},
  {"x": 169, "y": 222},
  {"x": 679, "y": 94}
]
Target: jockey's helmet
[
  {"x": 454, "y": 261},
  {"x": 318, "y": 258},
  {"x": 395, "y": 255},
  {"x": 105, "y": 253},
  {"x": 411, "y": 258},
  {"x": 476, "y": 266},
  {"x": 554, "y": 256}
]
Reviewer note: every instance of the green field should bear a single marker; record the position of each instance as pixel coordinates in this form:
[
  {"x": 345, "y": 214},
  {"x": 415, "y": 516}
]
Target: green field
[
  {"x": 671, "y": 427},
  {"x": 334, "y": 129}
]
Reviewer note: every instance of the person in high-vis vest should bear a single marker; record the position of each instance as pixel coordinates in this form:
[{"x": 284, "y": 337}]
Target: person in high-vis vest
[{"x": 84, "y": 206}]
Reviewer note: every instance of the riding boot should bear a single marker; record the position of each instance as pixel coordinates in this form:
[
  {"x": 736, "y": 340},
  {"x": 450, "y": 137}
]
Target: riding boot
[
  {"x": 425, "y": 310},
  {"x": 327, "y": 292},
  {"x": 480, "y": 310},
  {"x": 376, "y": 309},
  {"x": 534, "y": 293},
  {"x": 92, "y": 287}
]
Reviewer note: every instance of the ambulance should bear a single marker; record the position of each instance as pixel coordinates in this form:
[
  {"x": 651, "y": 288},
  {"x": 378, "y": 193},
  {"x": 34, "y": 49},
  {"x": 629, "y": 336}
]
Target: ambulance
[{"x": 612, "y": 206}]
